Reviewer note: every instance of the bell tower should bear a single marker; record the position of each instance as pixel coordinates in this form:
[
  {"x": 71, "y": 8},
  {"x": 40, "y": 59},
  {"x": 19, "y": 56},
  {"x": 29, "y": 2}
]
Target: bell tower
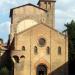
[{"x": 49, "y": 5}]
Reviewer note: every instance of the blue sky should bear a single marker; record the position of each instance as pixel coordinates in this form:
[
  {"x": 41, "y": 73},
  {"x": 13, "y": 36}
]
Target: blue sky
[{"x": 65, "y": 12}]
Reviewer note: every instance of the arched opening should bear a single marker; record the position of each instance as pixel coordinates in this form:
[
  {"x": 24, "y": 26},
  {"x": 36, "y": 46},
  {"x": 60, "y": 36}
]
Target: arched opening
[
  {"x": 35, "y": 49},
  {"x": 16, "y": 58},
  {"x": 41, "y": 69},
  {"x": 59, "y": 50},
  {"x": 22, "y": 56},
  {"x": 48, "y": 50}
]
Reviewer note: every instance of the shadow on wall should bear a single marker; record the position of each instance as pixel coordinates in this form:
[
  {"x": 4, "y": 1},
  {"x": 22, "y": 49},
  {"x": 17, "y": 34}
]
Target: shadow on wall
[
  {"x": 62, "y": 70},
  {"x": 72, "y": 67}
]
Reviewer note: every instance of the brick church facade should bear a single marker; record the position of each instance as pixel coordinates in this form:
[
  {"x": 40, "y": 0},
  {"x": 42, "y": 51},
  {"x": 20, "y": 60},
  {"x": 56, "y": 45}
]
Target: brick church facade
[{"x": 39, "y": 48}]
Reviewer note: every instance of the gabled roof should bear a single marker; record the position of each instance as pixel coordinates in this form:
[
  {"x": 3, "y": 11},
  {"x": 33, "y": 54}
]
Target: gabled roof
[
  {"x": 11, "y": 11},
  {"x": 46, "y": 26}
]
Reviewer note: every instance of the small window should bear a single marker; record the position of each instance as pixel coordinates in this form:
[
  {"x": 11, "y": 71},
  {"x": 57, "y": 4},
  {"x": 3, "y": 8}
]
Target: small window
[
  {"x": 59, "y": 50},
  {"x": 48, "y": 50},
  {"x": 35, "y": 49},
  {"x": 23, "y": 48}
]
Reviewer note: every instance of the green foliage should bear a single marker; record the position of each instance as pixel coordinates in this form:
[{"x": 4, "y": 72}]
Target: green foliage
[
  {"x": 4, "y": 71},
  {"x": 71, "y": 38},
  {"x": 71, "y": 29},
  {"x": 1, "y": 40}
]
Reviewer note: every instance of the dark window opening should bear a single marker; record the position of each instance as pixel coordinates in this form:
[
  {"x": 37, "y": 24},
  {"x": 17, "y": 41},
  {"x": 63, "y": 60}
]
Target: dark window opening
[
  {"x": 35, "y": 49},
  {"x": 48, "y": 50},
  {"x": 59, "y": 50}
]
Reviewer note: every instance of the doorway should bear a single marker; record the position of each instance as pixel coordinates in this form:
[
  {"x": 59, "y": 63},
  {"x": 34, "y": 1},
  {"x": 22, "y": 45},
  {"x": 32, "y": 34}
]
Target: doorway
[{"x": 41, "y": 70}]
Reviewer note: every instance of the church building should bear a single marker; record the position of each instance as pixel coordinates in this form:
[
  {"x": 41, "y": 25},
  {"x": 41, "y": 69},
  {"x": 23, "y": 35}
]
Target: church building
[{"x": 39, "y": 49}]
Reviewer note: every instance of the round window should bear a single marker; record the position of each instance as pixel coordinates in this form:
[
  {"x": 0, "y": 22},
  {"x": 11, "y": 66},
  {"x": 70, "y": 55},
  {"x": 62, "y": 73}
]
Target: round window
[{"x": 42, "y": 42}]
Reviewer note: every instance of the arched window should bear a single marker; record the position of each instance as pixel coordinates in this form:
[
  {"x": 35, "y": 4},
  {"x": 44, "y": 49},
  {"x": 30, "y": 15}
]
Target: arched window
[
  {"x": 48, "y": 50},
  {"x": 23, "y": 48},
  {"x": 35, "y": 49},
  {"x": 59, "y": 50}
]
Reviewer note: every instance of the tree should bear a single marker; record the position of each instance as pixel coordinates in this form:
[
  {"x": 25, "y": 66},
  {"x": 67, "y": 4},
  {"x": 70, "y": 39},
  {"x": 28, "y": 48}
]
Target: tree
[
  {"x": 5, "y": 59},
  {"x": 71, "y": 38},
  {"x": 4, "y": 71},
  {"x": 71, "y": 45}
]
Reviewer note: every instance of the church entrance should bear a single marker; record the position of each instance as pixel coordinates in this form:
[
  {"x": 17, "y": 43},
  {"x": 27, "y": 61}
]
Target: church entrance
[{"x": 41, "y": 70}]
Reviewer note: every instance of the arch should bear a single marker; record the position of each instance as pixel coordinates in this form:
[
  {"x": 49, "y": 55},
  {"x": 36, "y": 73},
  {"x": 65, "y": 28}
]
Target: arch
[
  {"x": 22, "y": 59},
  {"x": 32, "y": 17},
  {"x": 22, "y": 56},
  {"x": 25, "y": 24},
  {"x": 41, "y": 61},
  {"x": 41, "y": 69},
  {"x": 16, "y": 58}
]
